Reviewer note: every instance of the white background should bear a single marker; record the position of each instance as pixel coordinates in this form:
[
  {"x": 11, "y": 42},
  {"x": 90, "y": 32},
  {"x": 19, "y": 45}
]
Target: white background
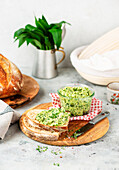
[{"x": 89, "y": 18}]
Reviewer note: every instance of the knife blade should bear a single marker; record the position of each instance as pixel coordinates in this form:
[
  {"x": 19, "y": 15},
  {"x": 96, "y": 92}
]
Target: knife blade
[{"x": 91, "y": 124}]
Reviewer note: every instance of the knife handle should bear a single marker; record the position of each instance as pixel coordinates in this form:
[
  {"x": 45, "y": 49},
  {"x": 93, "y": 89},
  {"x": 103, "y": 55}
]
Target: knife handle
[{"x": 99, "y": 117}]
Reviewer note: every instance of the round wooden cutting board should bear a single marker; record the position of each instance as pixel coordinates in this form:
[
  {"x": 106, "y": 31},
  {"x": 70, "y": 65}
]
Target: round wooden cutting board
[
  {"x": 93, "y": 134},
  {"x": 29, "y": 91}
]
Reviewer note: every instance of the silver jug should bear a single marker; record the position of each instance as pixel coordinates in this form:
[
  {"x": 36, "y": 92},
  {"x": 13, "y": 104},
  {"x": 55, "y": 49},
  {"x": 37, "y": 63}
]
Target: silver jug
[{"x": 45, "y": 65}]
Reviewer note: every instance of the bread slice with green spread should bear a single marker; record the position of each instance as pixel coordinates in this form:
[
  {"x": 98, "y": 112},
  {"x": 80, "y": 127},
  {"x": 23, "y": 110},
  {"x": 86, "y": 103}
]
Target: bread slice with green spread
[
  {"x": 38, "y": 133},
  {"x": 53, "y": 120}
]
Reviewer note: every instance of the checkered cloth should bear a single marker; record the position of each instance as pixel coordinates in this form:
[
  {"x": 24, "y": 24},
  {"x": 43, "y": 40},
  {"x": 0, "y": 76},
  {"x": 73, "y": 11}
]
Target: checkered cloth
[{"x": 96, "y": 107}]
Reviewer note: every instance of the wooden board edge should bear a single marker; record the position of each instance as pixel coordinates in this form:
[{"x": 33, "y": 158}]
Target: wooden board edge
[{"x": 58, "y": 143}]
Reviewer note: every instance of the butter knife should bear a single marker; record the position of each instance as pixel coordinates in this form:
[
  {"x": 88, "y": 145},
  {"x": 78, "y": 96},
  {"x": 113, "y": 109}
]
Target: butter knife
[{"x": 91, "y": 124}]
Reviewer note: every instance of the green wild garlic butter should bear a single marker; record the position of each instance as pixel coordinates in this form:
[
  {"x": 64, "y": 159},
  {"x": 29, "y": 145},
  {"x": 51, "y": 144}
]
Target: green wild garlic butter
[
  {"x": 53, "y": 117},
  {"x": 76, "y": 100}
]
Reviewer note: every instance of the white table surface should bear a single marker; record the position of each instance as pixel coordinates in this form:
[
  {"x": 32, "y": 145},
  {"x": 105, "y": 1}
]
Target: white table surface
[{"x": 19, "y": 152}]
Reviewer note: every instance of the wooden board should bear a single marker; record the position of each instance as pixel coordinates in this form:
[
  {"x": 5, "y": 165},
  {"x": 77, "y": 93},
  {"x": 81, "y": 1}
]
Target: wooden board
[
  {"x": 93, "y": 134},
  {"x": 29, "y": 91}
]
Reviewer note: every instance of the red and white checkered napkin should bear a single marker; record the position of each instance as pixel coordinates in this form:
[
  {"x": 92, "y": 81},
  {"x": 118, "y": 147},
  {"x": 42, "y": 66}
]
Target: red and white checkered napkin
[{"x": 96, "y": 107}]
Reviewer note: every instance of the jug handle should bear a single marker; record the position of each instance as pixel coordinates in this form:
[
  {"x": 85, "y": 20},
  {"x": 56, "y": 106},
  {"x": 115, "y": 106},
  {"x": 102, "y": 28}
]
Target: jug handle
[{"x": 62, "y": 57}]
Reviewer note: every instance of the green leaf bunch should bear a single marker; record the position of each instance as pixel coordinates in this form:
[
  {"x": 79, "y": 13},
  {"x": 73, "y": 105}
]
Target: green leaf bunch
[{"x": 43, "y": 36}]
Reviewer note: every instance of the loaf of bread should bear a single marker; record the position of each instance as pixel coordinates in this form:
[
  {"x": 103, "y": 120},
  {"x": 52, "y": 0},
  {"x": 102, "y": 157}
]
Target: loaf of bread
[{"x": 11, "y": 80}]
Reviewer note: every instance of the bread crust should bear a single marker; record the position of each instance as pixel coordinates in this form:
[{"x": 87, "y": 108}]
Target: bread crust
[
  {"x": 38, "y": 132},
  {"x": 11, "y": 80}
]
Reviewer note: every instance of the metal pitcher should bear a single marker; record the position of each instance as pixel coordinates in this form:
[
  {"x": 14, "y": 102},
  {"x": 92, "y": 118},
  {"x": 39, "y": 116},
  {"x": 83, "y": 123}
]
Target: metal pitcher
[{"x": 45, "y": 65}]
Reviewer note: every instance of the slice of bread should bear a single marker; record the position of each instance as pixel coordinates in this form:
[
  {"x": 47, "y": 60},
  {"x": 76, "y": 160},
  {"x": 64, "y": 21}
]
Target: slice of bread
[
  {"x": 38, "y": 132},
  {"x": 31, "y": 118}
]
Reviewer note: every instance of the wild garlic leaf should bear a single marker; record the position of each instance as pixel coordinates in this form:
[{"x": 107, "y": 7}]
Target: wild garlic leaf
[
  {"x": 57, "y": 36},
  {"x": 18, "y": 32},
  {"x": 43, "y": 23},
  {"x": 58, "y": 25},
  {"x": 37, "y": 43},
  {"x": 44, "y": 19},
  {"x": 30, "y": 27},
  {"x": 40, "y": 45},
  {"x": 29, "y": 40},
  {"x": 47, "y": 43},
  {"x": 39, "y": 33},
  {"x": 35, "y": 36},
  {"x": 21, "y": 40},
  {"x": 40, "y": 25}
]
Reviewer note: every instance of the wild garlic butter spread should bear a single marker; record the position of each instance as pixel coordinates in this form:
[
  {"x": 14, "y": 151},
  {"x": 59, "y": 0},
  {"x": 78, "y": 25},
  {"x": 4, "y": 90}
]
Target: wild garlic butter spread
[
  {"x": 53, "y": 117},
  {"x": 76, "y": 100}
]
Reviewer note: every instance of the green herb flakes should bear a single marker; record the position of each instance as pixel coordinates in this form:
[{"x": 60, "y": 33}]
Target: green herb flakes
[
  {"x": 42, "y": 149},
  {"x": 57, "y": 164},
  {"x": 56, "y": 152},
  {"x": 63, "y": 147}
]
